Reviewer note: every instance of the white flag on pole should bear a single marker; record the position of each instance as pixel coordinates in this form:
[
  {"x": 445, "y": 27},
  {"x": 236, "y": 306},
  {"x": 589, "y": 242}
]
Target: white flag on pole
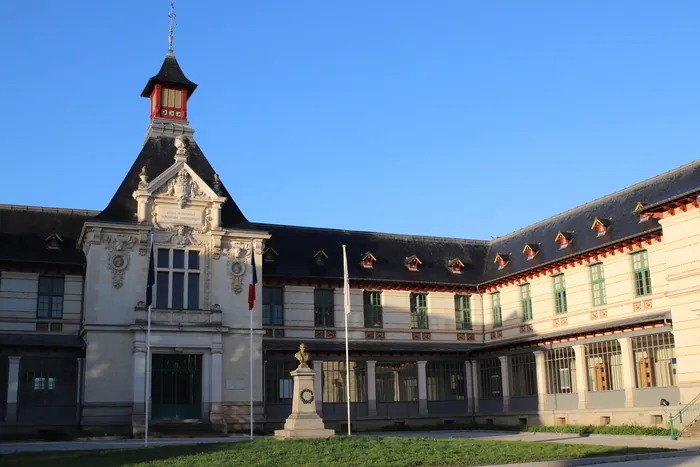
[
  {"x": 346, "y": 302},
  {"x": 346, "y": 284}
]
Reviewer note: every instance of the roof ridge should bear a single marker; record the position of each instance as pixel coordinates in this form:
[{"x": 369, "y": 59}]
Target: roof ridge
[
  {"x": 20, "y": 207},
  {"x": 383, "y": 234},
  {"x": 610, "y": 195}
]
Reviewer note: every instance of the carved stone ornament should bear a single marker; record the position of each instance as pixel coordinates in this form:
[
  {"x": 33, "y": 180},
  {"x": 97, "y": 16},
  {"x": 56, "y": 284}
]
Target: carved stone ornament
[
  {"x": 119, "y": 247},
  {"x": 143, "y": 176},
  {"x": 183, "y": 188},
  {"x": 182, "y": 144},
  {"x": 182, "y": 235},
  {"x": 237, "y": 265}
]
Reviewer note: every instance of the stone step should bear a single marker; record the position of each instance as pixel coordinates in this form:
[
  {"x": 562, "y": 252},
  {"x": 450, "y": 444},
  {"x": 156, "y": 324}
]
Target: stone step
[{"x": 184, "y": 429}]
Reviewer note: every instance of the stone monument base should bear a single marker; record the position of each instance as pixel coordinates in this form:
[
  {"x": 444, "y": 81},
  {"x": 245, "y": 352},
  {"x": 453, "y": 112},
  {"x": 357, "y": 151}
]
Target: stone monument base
[{"x": 304, "y": 422}]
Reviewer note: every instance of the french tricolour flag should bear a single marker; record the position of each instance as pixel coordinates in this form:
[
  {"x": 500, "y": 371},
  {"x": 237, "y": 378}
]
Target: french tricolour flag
[{"x": 253, "y": 278}]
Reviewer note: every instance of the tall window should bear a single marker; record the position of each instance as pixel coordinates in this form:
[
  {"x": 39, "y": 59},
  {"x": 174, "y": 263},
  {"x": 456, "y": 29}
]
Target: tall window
[
  {"x": 604, "y": 362},
  {"x": 526, "y": 302},
  {"x": 373, "y": 309},
  {"x": 50, "y": 299},
  {"x": 278, "y": 382},
  {"x": 323, "y": 308},
  {"x": 273, "y": 306},
  {"x": 561, "y": 370},
  {"x": 496, "y": 309},
  {"x": 171, "y": 98},
  {"x": 560, "y": 294},
  {"x": 598, "y": 284},
  {"x": 523, "y": 375},
  {"x": 490, "y": 378},
  {"x": 396, "y": 381},
  {"x": 334, "y": 378},
  {"x": 654, "y": 360},
  {"x": 419, "y": 311},
  {"x": 463, "y": 311},
  {"x": 642, "y": 276},
  {"x": 177, "y": 279},
  {"x": 446, "y": 381}
]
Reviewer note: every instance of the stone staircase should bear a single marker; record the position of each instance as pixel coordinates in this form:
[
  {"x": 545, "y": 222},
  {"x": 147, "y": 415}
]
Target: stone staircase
[
  {"x": 184, "y": 429},
  {"x": 692, "y": 432}
]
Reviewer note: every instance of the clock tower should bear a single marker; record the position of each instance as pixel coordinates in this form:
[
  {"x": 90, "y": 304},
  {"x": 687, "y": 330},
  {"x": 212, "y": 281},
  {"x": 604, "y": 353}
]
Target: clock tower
[{"x": 169, "y": 91}]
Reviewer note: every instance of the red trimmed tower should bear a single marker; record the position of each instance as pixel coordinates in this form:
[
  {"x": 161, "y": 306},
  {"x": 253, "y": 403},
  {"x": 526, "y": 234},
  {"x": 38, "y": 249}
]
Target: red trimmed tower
[{"x": 169, "y": 91}]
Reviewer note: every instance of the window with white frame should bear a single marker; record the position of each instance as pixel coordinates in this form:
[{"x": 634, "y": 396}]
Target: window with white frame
[
  {"x": 561, "y": 370},
  {"x": 604, "y": 362},
  {"x": 655, "y": 360},
  {"x": 177, "y": 279}
]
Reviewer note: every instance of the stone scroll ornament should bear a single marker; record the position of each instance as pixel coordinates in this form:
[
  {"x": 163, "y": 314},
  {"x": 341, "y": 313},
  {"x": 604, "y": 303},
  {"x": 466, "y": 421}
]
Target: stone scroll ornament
[
  {"x": 119, "y": 247},
  {"x": 237, "y": 265}
]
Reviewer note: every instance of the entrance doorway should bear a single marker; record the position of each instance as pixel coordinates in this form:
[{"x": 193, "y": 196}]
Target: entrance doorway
[{"x": 176, "y": 387}]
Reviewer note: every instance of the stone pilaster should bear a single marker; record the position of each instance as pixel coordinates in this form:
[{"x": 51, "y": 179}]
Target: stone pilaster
[
  {"x": 541, "y": 371},
  {"x": 422, "y": 389},
  {"x": 581, "y": 376},
  {"x": 628, "y": 376},
  {"x": 371, "y": 388},
  {"x": 318, "y": 386},
  {"x": 12, "y": 389},
  {"x": 505, "y": 382}
]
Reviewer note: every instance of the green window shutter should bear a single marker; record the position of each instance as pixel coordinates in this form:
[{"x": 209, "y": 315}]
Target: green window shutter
[
  {"x": 323, "y": 308},
  {"x": 526, "y": 302},
  {"x": 373, "y": 309},
  {"x": 560, "y": 294},
  {"x": 642, "y": 275},
  {"x": 419, "y": 311},
  {"x": 496, "y": 309},
  {"x": 463, "y": 314},
  {"x": 598, "y": 284}
]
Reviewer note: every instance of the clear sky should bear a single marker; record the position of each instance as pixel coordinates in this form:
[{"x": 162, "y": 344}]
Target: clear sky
[{"x": 455, "y": 118}]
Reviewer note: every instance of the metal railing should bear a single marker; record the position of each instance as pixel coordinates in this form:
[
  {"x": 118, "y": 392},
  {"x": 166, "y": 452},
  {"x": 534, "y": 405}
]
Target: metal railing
[{"x": 685, "y": 417}]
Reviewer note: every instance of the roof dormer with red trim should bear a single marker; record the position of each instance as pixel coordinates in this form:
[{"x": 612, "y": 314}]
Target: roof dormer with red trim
[
  {"x": 564, "y": 237},
  {"x": 601, "y": 225},
  {"x": 412, "y": 263},
  {"x": 320, "y": 258},
  {"x": 455, "y": 265},
  {"x": 269, "y": 255},
  {"x": 531, "y": 250},
  {"x": 367, "y": 260},
  {"x": 53, "y": 242},
  {"x": 643, "y": 217},
  {"x": 502, "y": 260}
]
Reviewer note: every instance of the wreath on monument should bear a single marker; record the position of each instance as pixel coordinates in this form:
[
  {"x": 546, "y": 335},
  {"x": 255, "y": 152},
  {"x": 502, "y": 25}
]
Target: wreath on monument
[{"x": 307, "y": 396}]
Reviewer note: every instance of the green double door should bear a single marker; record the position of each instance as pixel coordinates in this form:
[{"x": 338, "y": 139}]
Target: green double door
[{"x": 176, "y": 387}]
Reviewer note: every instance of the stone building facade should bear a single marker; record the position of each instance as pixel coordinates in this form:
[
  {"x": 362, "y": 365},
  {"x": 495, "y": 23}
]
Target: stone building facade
[{"x": 589, "y": 317}]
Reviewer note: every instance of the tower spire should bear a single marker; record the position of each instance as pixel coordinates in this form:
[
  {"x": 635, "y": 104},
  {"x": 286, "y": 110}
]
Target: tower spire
[{"x": 171, "y": 15}]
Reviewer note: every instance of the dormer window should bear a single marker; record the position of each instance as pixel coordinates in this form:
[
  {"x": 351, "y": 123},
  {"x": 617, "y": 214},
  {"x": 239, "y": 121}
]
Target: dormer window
[
  {"x": 320, "y": 258},
  {"x": 642, "y": 217},
  {"x": 531, "y": 250},
  {"x": 53, "y": 241},
  {"x": 601, "y": 225},
  {"x": 502, "y": 260},
  {"x": 368, "y": 260},
  {"x": 455, "y": 266},
  {"x": 412, "y": 263},
  {"x": 563, "y": 238},
  {"x": 269, "y": 255}
]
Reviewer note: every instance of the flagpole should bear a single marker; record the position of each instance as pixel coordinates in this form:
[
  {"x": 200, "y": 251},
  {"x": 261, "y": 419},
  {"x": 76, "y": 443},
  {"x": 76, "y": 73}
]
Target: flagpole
[
  {"x": 251, "y": 307},
  {"x": 148, "y": 374},
  {"x": 346, "y": 300}
]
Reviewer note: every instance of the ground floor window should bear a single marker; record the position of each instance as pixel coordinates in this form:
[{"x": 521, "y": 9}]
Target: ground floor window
[
  {"x": 523, "y": 375},
  {"x": 490, "y": 378},
  {"x": 604, "y": 364},
  {"x": 278, "y": 381},
  {"x": 334, "y": 382},
  {"x": 561, "y": 370},
  {"x": 654, "y": 360},
  {"x": 396, "y": 381},
  {"x": 446, "y": 381}
]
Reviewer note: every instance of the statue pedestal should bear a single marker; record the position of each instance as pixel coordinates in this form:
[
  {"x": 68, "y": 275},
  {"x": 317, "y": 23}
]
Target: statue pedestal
[{"x": 304, "y": 422}]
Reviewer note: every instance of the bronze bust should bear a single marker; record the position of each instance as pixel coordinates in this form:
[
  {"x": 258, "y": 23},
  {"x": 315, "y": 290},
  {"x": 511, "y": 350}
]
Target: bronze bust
[{"x": 302, "y": 356}]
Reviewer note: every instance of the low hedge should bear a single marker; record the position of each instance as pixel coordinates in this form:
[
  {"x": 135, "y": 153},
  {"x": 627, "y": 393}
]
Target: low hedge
[{"x": 636, "y": 430}]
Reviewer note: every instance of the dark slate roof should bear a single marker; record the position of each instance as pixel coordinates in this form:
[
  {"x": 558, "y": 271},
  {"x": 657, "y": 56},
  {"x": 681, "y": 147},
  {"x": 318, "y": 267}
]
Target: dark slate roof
[
  {"x": 170, "y": 73},
  {"x": 24, "y": 229},
  {"x": 618, "y": 207},
  {"x": 296, "y": 246},
  {"x": 157, "y": 155}
]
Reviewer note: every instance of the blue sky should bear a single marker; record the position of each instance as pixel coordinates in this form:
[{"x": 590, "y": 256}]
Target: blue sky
[{"x": 452, "y": 118}]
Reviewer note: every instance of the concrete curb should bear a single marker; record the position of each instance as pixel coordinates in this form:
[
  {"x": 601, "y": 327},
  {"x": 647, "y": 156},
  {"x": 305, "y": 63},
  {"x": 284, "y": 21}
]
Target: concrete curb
[{"x": 605, "y": 460}]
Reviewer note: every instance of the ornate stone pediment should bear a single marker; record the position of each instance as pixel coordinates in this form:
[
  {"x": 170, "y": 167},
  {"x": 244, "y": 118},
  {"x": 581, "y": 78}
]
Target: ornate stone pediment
[{"x": 183, "y": 188}]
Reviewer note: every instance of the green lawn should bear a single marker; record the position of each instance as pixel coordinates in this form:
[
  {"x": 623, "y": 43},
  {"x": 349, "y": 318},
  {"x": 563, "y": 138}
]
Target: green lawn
[{"x": 338, "y": 451}]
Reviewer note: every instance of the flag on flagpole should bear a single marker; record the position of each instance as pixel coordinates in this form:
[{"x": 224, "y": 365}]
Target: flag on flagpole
[
  {"x": 151, "y": 273},
  {"x": 346, "y": 302},
  {"x": 253, "y": 280},
  {"x": 346, "y": 283},
  {"x": 149, "y": 306},
  {"x": 251, "y": 304}
]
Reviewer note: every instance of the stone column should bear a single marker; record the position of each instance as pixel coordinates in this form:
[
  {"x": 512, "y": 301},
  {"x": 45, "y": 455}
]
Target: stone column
[
  {"x": 216, "y": 386},
  {"x": 12, "y": 389},
  {"x": 318, "y": 386},
  {"x": 469, "y": 385},
  {"x": 138, "y": 413},
  {"x": 371, "y": 388},
  {"x": 422, "y": 389},
  {"x": 475, "y": 380},
  {"x": 505, "y": 382},
  {"x": 581, "y": 376},
  {"x": 541, "y": 371},
  {"x": 628, "y": 378}
]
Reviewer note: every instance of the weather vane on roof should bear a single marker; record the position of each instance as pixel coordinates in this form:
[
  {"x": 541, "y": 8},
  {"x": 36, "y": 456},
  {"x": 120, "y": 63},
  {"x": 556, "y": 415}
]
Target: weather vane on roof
[{"x": 171, "y": 15}]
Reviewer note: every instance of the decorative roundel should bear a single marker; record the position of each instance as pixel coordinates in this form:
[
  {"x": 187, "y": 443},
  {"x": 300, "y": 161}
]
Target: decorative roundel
[
  {"x": 237, "y": 268},
  {"x": 171, "y": 113},
  {"x": 164, "y": 112},
  {"x": 118, "y": 261},
  {"x": 307, "y": 396},
  {"x": 178, "y": 114}
]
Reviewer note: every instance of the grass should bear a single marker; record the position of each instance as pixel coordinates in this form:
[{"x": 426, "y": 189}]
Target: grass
[
  {"x": 636, "y": 430},
  {"x": 335, "y": 452}
]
